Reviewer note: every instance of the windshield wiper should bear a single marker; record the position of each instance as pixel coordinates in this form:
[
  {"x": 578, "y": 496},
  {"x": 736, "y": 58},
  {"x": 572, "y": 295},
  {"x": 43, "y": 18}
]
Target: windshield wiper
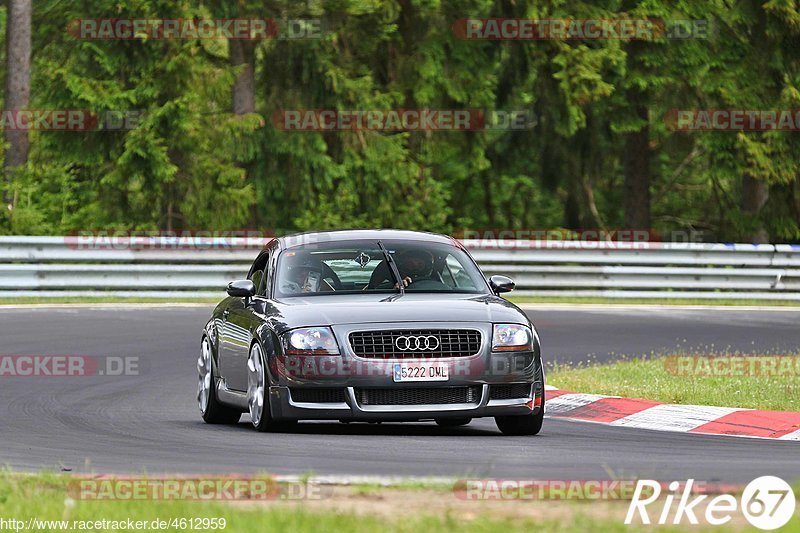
[{"x": 392, "y": 266}]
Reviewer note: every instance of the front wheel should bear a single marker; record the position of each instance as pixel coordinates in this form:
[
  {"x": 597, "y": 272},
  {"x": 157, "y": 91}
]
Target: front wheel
[
  {"x": 257, "y": 402},
  {"x": 213, "y": 412},
  {"x": 521, "y": 425}
]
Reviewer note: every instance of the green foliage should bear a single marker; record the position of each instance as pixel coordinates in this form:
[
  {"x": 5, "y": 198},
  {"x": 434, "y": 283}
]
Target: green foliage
[{"x": 189, "y": 163}]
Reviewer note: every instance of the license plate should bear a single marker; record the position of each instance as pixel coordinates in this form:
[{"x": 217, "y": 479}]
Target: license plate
[{"x": 420, "y": 372}]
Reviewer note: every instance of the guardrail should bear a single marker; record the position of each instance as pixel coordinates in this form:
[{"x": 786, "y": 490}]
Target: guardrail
[{"x": 200, "y": 268}]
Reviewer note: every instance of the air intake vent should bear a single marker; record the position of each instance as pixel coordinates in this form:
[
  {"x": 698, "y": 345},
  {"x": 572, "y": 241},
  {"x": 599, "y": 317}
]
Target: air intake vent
[
  {"x": 513, "y": 391},
  {"x": 419, "y": 396},
  {"x": 305, "y": 395}
]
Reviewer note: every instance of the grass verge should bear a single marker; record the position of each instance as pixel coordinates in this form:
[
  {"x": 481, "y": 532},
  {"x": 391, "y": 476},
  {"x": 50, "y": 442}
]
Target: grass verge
[
  {"x": 654, "y": 301},
  {"x": 45, "y": 497},
  {"x": 655, "y": 379}
]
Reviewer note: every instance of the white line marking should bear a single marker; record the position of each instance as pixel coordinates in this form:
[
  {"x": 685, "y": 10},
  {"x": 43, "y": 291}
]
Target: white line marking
[
  {"x": 668, "y": 417},
  {"x": 698, "y": 435},
  {"x": 795, "y": 435},
  {"x": 568, "y": 402}
]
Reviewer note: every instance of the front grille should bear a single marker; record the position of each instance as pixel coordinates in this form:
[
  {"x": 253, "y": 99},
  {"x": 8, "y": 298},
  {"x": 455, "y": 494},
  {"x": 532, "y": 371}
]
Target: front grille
[
  {"x": 419, "y": 396},
  {"x": 510, "y": 392},
  {"x": 305, "y": 395},
  {"x": 422, "y": 344}
]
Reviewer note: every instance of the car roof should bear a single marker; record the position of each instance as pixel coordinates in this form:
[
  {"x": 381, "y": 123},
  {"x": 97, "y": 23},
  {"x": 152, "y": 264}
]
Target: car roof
[{"x": 297, "y": 239}]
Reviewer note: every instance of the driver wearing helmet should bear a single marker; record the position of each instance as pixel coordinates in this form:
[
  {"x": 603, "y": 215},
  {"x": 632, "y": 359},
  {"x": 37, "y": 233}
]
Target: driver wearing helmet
[
  {"x": 303, "y": 277},
  {"x": 414, "y": 265}
]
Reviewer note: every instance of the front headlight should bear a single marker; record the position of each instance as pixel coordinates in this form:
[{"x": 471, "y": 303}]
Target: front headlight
[
  {"x": 310, "y": 341},
  {"x": 512, "y": 338}
]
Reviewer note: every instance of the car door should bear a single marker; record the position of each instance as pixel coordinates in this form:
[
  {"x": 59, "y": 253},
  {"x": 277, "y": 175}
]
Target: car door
[{"x": 240, "y": 323}]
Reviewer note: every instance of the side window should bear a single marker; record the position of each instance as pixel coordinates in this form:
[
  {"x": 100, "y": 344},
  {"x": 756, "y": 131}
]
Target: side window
[
  {"x": 258, "y": 273},
  {"x": 454, "y": 275},
  {"x": 258, "y": 277}
]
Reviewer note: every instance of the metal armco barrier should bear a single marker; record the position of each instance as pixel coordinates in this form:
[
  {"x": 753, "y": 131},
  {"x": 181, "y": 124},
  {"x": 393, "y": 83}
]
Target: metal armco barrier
[{"x": 201, "y": 268}]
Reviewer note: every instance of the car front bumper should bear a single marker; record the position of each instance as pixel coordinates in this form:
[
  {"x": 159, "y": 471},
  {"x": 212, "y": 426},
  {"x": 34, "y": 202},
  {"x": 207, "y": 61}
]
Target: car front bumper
[
  {"x": 284, "y": 407},
  {"x": 349, "y": 375}
]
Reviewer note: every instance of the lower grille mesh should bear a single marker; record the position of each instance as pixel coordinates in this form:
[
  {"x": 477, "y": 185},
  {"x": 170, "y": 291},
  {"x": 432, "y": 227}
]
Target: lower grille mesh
[
  {"x": 419, "y": 396},
  {"x": 509, "y": 392},
  {"x": 317, "y": 395}
]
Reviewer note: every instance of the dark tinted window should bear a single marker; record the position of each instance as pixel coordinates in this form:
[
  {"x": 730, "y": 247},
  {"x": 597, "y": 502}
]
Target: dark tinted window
[{"x": 349, "y": 267}]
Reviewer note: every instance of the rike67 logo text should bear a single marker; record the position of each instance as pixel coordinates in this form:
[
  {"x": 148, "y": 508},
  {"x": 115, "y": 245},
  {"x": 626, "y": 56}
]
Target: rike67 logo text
[{"x": 767, "y": 503}]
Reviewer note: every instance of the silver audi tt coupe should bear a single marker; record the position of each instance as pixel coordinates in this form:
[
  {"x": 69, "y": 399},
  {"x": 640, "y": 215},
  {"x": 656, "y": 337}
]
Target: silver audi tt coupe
[{"x": 370, "y": 325}]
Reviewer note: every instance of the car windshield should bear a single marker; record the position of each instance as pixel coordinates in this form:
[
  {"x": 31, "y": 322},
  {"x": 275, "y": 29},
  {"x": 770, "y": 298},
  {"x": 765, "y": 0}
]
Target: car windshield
[{"x": 359, "y": 266}]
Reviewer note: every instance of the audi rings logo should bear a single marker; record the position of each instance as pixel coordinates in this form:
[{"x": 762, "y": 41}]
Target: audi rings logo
[{"x": 416, "y": 343}]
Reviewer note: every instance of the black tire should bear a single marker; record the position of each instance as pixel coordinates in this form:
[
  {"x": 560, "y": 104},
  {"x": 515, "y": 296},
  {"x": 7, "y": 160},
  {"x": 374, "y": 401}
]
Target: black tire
[
  {"x": 216, "y": 413},
  {"x": 452, "y": 422},
  {"x": 521, "y": 425},
  {"x": 268, "y": 424}
]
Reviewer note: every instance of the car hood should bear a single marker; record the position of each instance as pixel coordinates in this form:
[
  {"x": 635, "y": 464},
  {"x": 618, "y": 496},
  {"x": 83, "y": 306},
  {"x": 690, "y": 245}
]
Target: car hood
[{"x": 375, "y": 308}]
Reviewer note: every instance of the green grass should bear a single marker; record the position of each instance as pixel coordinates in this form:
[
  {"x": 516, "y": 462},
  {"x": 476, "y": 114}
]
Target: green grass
[
  {"x": 45, "y": 497},
  {"x": 652, "y": 301},
  {"x": 649, "y": 378},
  {"x": 368, "y": 489}
]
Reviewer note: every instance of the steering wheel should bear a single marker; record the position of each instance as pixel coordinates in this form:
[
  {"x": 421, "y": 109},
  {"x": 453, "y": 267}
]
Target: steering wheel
[
  {"x": 327, "y": 272},
  {"x": 379, "y": 277}
]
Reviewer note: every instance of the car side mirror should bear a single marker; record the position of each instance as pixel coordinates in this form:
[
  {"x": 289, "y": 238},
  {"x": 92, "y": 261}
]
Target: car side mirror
[
  {"x": 242, "y": 288},
  {"x": 501, "y": 284}
]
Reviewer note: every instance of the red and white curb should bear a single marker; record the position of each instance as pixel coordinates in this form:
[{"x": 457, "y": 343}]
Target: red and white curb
[{"x": 646, "y": 414}]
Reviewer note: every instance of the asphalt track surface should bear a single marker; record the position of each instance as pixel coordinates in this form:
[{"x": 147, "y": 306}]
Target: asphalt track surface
[{"x": 150, "y": 422}]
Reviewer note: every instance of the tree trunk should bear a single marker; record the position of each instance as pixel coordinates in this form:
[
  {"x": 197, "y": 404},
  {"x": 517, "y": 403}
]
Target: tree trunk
[
  {"x": 637, "y": 175},
  {"x": 242, "y": 54},
  {"x": 488, "y": 205},
  {"x": 755, "y": 194},
  {"x": 18, "y": 84},
  {"x": 637, "y": 153},
  {"x": 573, "y": 218}
]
